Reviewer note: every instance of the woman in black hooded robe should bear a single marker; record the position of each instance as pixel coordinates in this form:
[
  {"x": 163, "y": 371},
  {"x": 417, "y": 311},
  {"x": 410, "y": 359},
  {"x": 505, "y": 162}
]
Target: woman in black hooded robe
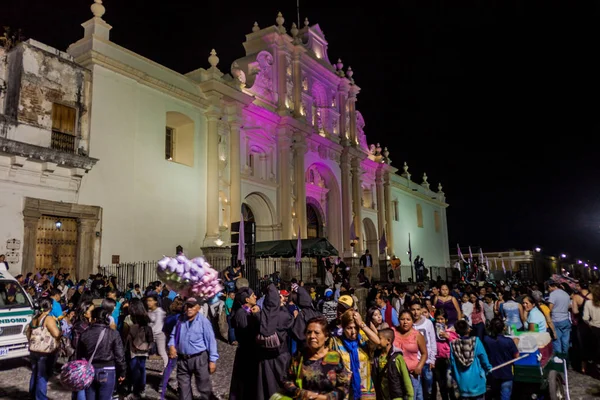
[
  {"x": 245, "y": 322},
  {"x": 307, "y": 311},
  {"x": 273, "y": 354}
]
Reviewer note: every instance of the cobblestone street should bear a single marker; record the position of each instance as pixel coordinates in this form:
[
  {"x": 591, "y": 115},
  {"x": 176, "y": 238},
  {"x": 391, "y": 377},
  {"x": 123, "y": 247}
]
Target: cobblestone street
[{"x": 15, "y": 374}]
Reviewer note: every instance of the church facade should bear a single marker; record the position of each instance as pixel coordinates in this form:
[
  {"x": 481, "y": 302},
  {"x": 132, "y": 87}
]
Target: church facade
[{"x": 161, "y": 159}]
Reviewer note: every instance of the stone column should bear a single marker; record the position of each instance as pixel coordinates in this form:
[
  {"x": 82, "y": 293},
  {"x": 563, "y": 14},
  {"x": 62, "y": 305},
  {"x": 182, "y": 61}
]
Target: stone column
[
  {"x": 381, "y": 222},
  {"x": 300, "y": 150},
  {"x": 86, "y": 237},
  {"x": 357, "y": 203},
  {"x": 235, "y": 181},
  {"x": 297, "y": 77},
  {"x": 212, "y": 179},
  {"x": 342, "y": 101},
  {"x": 352, "y": 111},
  {"x": 284, "y": 193},
  {"x": 29, "y": 242},
  {"x": 346, "y": 196},
  {"x": 279, "y": 69},
  {"x": 387, "y": 198}
]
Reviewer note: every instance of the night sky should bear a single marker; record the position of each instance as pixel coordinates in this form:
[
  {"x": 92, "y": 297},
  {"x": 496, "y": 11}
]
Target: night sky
[{"x": 496, "y": 99}]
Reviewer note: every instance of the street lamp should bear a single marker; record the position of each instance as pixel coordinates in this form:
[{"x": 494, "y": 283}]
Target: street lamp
[
  {"x": 538, "y": 249},
  {"x": 58, "y": 224},
  {"x": 563, "y": 255}
]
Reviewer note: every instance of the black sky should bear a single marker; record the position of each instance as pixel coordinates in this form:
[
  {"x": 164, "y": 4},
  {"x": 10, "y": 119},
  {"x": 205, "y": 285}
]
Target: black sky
[{"x": 496, "y": 99}]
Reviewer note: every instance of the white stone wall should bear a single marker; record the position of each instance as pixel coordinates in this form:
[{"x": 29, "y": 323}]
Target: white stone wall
[
  {"x": 27, "y": 181},
  {"x": 425, "y": 241},
  {"x": 150, "y": 205}
]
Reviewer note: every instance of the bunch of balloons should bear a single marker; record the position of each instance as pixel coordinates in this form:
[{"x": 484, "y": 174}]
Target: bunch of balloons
[{"x": 189, "y": 277}]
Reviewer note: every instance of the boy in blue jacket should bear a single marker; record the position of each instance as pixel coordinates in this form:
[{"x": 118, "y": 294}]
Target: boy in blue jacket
[{"x": 469, "y": 363}]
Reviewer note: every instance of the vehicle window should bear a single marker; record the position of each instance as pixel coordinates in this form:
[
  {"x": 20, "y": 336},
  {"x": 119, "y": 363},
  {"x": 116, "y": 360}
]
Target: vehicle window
[{"x": 12, "y": 295}]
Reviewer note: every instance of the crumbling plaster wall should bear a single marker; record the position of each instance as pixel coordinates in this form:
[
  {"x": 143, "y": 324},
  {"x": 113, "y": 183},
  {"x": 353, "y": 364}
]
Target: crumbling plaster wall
[{"x": 39, "y": 76}]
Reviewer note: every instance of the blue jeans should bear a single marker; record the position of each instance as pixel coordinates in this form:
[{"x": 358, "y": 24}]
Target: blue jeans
[
  {"x": 478, "y": 330},
  {"x": 416, "y": 382},
  {"x": 103, "y": 385},
  {"x": 138, "y": 374},
  {"x": 42, "y": 368},
  {"x": 427, "y": 380},
  {"x": 563, "y": 333},
  {"x": 231, "y": 331},
  {"x": 78, "y": 395},
  {"x": 502, "y": 387}
]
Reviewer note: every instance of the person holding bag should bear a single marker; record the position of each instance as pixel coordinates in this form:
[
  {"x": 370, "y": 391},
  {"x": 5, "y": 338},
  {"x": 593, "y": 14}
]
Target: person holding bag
[
  {"x": 43, "y": 334},
  {"x": 104, "y": 348}
]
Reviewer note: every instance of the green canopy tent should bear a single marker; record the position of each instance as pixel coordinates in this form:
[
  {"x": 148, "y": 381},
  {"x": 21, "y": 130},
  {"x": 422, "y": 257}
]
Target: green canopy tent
[{"x": 318, "y": 247}]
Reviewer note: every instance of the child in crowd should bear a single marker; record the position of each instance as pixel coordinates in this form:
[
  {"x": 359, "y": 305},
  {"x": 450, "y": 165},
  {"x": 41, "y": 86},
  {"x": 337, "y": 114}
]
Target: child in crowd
[
  {"x": 469, "y": 363},
  {"x": 392, "y": 379},
  {"x": 444, "y": 336}
]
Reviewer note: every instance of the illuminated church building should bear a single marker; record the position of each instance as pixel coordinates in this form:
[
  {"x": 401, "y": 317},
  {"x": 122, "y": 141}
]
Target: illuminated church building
[{"x": 156, "y": 158}]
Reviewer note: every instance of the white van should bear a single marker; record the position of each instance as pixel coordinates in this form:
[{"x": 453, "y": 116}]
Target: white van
[{"x": 16, "y": 312}]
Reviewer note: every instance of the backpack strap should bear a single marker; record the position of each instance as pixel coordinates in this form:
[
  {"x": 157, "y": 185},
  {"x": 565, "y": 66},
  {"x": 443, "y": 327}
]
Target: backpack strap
[{"x": 97, "y": 344}]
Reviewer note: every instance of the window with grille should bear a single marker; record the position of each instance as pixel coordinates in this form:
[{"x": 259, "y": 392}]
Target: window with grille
[
  {"x": 169, "y": 143},
  {"x": 437, "y": 220},
  {"x": 63, "y": 128},
  {"x": 395, "y": 209}
]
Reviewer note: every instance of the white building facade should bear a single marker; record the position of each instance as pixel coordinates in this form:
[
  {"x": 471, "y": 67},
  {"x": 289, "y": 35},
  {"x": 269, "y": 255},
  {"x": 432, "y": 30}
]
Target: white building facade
[{"x": 162, "y": 159}]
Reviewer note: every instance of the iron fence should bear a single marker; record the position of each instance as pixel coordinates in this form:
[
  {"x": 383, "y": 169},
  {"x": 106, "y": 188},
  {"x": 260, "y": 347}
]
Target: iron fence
[
  {"x": 141, "y": 272},
  {"x": 256, "y": 270}
]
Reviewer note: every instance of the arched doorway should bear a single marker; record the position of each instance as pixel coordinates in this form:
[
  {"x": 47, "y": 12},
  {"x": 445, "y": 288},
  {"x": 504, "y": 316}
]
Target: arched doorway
[
  {"x": 324, "y": 195},
  {"x": 260, "y": 210},
  {"x": 371, "y": 243},
  {"x": 247, "y": 213},
  {"x": 314, "y": 222}
]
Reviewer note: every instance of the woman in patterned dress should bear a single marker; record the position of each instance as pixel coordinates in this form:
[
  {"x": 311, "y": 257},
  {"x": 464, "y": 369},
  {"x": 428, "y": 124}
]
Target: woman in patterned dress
[{"x": 317, "y": 373}]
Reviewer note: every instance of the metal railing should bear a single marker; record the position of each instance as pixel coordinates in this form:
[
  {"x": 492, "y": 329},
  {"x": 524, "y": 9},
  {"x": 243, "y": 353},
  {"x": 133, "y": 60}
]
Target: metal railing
[
  {"x": 62, "y": 142},
  {"x": 255, "y": 270},
  {"x": 141, "y": 272}
]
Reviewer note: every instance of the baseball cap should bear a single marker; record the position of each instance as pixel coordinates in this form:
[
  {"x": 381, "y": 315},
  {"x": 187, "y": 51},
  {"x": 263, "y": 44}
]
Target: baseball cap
[
  {"x": 328, "y": 292},
  {"x": 346, "y": 301},
  {"x": 284, "y": 292},
  {"x": 192, "y": 301}
]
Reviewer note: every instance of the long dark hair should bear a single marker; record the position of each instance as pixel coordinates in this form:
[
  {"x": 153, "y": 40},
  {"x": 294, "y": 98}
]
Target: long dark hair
[
  {"x": 496, "y": 327},
  {"x": 370, "y": 313},
  {"x": 45, "y": 304},
  {"x": 82, "y": 308},
  {"x": 109, "y": 305},
  {"x": 100, "y": 316},
  {"x": 137, "y": 312}
]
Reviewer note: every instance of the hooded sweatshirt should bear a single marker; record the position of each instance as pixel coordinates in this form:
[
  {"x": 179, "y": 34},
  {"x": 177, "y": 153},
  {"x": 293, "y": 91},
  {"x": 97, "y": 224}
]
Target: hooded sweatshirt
[
  {"x": 427, "y": 330},
  {"x": 469, "y": 364},
  {"x": 307, "y": 311}
]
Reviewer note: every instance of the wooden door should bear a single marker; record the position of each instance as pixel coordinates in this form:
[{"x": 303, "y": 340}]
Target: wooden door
[{"x": 56, "y": 248}]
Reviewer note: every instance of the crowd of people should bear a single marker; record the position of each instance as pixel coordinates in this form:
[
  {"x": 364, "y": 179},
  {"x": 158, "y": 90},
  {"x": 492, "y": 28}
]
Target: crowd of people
[{"x": 307, "y": 341}]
